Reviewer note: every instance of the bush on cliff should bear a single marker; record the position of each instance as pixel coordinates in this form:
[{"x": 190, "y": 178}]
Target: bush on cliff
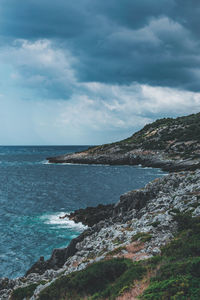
[
  {"x": 24, "y": 292},
  {"x": 100, "y": 280},
  {"x": 179, "y": 274}
]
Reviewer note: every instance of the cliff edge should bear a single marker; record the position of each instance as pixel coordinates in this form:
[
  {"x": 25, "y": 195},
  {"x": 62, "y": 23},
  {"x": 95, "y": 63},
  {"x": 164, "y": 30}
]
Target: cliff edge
[{"x": 170, "y": 144}]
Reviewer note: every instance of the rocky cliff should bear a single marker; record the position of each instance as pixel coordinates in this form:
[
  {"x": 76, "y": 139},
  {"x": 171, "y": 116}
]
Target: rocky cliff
[
  {"x": 141, "y": 223},
  {"x": 170, "y": 144}
]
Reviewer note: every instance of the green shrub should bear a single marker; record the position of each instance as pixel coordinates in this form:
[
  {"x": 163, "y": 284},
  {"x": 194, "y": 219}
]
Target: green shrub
[
  {"x": 91, "y": 280},
  {"x": 179, "y": 274},
  {"x": 172, "y": 288},
  {"x": 184, "y": 221},
  {"x": 106, "y": 279},
  {"x": 155, "y": 224},
  {"x": 24, "y": 292},
  {"x": 124, "y": 282}
]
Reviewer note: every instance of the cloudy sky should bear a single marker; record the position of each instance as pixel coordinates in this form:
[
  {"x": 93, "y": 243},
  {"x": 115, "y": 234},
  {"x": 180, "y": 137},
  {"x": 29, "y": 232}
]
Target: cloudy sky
[{"x": 95, "y": 71}]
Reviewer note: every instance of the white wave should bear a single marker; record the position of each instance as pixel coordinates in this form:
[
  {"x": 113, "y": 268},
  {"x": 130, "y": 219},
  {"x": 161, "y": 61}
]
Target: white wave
[
  {"x": 76, "y": 164},
  {"x": 147, "y": 168},
  {"x": 57, "y": 220},
  {"x": 44, "y": 162},
  {"x": 163, "y": 174}
]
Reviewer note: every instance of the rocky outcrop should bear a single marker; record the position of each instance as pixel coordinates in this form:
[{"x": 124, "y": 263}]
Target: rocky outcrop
[
  {"x": 155, "y": 159},
  {"x": 141, "y": 223},
  {"x": 170, "y": 144},
  {"x": 92, "y": 215},
  {"x": 177, "y": 190},
  {"x": 59, "y": 256}
]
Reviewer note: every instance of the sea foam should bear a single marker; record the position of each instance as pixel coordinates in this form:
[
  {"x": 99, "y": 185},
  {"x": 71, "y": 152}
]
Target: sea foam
[{"x": 55, "y": 219}]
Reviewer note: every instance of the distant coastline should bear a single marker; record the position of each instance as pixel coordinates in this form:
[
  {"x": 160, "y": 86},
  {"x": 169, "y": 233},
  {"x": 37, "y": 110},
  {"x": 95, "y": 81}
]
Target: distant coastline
[{"x": 170, "y": 144}]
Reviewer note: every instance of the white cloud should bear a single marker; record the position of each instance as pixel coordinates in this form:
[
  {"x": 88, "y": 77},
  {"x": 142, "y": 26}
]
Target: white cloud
[
  {"x": 40, "y": 65},
  {"x": 93, "y": 113}
]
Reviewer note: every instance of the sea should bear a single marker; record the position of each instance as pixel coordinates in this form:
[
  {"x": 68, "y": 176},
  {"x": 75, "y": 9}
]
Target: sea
[{"x": 34, "y": 194}]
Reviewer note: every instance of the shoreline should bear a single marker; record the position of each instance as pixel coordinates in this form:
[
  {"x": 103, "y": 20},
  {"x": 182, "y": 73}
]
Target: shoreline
[
  {"x": 144, "y": 212},
  {"x": 149, "y": 159},
  {"x": 45, "y": 218}
]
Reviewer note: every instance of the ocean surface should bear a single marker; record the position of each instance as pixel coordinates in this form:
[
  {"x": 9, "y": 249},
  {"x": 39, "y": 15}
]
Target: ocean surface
[{"x": 33, "y": 194}]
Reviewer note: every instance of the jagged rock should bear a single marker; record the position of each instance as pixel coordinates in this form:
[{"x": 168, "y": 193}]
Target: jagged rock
[
  {"x": 6, "y": 283},
  {"x": 150, "y": 225},
  {"x": 92, "y": 215},
  {"x": 58, "y": 257}
]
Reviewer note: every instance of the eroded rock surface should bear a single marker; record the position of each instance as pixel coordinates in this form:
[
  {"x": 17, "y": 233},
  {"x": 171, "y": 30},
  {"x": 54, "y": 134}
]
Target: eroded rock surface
[{"x": 140, "y": 224}]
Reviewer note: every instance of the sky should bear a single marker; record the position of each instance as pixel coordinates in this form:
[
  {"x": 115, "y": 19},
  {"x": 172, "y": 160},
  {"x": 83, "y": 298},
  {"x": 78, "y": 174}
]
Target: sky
[{"x": 95, "y": 71}]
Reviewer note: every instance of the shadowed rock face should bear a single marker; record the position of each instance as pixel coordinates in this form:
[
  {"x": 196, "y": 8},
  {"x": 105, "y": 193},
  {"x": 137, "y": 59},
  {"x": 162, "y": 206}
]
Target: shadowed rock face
[
  {"x": 92, "y": 215},
  {"x": 154, "y": 159},
  {"x": 132, "y": 200},
  {"x": 96, "y": 217},
  {"x": 58, "y": 257},
  {"x": 170, "y": 144}
]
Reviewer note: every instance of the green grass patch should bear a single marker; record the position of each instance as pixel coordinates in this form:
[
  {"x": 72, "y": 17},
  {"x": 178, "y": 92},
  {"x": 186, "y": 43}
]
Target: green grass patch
[
  {"x": 24, "y": 292},
  {"x": 179, "y": 274},
  {"x": 117, "y": 241},
  {"x": 116, "y": 251},
  {"x": 106, "y": 279},
  {"x": 142, "y": 237}
]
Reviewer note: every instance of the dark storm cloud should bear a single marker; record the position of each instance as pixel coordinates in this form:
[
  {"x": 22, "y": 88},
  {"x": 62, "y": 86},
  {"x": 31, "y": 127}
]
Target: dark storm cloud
[
  {"x": 116, "y": 41},
  {"x": 41, "y": 19}
]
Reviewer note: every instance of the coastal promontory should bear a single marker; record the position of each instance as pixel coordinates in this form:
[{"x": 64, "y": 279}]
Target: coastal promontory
[{"x": 170, "y": 144}]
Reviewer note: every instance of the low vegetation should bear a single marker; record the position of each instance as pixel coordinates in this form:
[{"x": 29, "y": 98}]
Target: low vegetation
[
  {"x": 24, "y": 292},
  {"x": 104, "y": 279},
  {"x": 168, "y": 134},
  {"x": 176, "y": 272},
  {"x": 179, "y": 274},
  {"x": 116, "y": 251},
  {"x": 142, "y": 237}
]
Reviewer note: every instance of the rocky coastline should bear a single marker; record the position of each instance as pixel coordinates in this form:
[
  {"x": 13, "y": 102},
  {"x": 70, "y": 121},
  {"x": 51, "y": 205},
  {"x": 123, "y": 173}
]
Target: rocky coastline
[
  {"x": 154, "y": 159},
  {"x": 140, "y": 224},
  {"x": 170, "y": 144}
]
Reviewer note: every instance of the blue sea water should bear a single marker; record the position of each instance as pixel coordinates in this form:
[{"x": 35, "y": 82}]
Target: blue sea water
[{"x": 33, "y": 194}]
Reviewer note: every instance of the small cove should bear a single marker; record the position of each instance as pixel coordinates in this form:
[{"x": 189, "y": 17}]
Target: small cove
[{"x": 33, "y": 194}]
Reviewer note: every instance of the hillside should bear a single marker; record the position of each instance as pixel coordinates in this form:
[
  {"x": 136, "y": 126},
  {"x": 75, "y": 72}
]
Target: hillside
[{"x": 171, "y": 144}]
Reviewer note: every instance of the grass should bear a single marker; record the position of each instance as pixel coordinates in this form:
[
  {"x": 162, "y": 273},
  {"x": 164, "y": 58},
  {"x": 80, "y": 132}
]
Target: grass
[
  {"x": 24, "y": 292},
  {"x": 155, "y": 224},
  {"x": 104, "y": 279},
  {"x": 179, "y": 274},
  {"x": 116, "y": 251},
  {"x": 142, "y": 237},
  {"x": 155, "y": 136}
]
